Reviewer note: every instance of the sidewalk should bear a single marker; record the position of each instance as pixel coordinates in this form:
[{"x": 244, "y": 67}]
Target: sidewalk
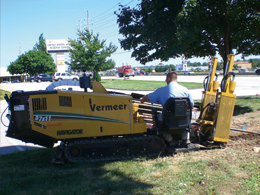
[{"x": 7, "y": 87}]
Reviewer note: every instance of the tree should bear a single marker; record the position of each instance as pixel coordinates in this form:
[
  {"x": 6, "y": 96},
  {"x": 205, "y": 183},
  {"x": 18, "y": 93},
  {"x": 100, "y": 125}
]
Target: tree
[
  {"x": 235, "y": 67},
  {"x": 255, "y": 62},
  {"x": 90, "y": 53},
  {"x": 149, "y": 70},
  {"x": 164, "y": 68},
  {"x": 33, "y": 62},
  {"x": 163, "y": 29},
  {"x": 41, "y": 45}
]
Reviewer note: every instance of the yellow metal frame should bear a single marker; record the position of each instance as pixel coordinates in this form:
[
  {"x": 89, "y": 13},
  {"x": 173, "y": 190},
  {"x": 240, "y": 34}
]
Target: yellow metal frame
[
  {"x": 225, "y": 107},
  {"x": 90, "y": 115},
  {"x": 213, "y": 72},
  {"x": 224, "y": 113},
  {"x": 210, "y": 94},
  {"x": 221, "y": 121}
]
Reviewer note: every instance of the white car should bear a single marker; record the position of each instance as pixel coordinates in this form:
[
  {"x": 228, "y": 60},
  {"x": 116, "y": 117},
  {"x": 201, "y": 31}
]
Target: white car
[
  {"x": 189, "y": 72},
  {"x": 243, "y": 70},
  {"x": 64, "y": 76}
]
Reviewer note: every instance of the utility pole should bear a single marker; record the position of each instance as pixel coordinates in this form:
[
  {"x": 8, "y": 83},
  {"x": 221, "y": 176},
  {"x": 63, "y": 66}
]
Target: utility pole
[
  {"x": 87, "y": 20},
  {"x": 20, "y": 48},
  {"x": 79, "y": 25}
]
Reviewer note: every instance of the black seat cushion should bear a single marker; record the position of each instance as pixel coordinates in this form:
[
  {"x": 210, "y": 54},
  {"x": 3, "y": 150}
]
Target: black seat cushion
[{"x": 177, "y": 113}]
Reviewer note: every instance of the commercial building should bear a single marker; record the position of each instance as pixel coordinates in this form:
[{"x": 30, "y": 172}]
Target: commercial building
[
  {"x": 243, "y": 64},
  {"x": 6, "y": 76}
]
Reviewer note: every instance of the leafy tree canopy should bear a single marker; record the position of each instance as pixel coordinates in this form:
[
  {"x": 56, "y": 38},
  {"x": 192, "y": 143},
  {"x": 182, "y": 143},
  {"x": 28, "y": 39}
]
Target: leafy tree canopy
[
  {"x": 32, "y": 62},
  {"x": 41, "y": 45},
  {"x": 255, "y": 63},
  {"x": 88, "y": 53},
  {"x": 164, "y": 68},
  {"x": 163, "y": 29}
]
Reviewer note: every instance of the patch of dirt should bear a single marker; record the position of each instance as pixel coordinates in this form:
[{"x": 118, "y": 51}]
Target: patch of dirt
[
  {"x": 251, "y": 121},
  {"x": 245, "y": 141}
]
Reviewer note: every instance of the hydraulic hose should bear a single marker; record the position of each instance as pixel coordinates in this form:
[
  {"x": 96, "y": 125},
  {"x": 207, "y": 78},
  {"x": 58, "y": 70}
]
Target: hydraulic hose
[
  {"x": 224, "y": 80},
  {"x": 203, "y": 109},
  {"x": 2, "y": 117},
  {"x": 205, "y": 81}
]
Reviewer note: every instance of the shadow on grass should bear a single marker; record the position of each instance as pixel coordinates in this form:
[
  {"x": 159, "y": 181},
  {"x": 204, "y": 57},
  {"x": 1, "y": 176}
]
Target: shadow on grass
[
  {"x": 241, "y": 110},
  {"x": 15, "y": 148},
  {"x": 31, "y": 172},
  {"x": 243, "y": 105}
]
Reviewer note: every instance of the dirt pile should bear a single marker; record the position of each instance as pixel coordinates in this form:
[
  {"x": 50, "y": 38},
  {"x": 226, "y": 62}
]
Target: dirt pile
[{"x": 245, "y": 141}]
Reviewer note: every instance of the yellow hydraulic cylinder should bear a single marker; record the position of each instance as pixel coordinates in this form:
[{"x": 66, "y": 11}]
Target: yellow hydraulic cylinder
[
  {"x": 213, "y": 72},
  {"x": 209, "y": 95},
  {"x": 232, "y": 86},
  {"x": 215, "y": 86}
]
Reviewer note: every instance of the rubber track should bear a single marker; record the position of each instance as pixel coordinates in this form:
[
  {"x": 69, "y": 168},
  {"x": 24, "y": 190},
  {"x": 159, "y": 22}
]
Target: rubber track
[{"x": 113, "y": 149}]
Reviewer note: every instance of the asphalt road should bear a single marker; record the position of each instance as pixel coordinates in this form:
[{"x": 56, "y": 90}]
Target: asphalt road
[{"x": 246, "y": 86}]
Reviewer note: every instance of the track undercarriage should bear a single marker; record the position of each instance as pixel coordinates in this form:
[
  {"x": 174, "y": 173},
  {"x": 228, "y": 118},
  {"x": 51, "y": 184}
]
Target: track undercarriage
[
  {"x": 153, "y": 144},
  {"x": 110, "y": 148}
]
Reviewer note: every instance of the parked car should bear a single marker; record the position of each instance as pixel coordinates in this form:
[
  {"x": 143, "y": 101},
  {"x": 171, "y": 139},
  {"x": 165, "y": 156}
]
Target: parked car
[
  {"x": 16, "y": 81},
  {"x": 64, "y": 76},
  {"x": 166, "y": 71},
  {"x": 243, "y": 70},
  {"x": 257, "y": 71},
  {"x": 188, "y": 73},
  {"x": 5, "y": 82},
  {"x": 42, "y": 77},
  {"x": 30, "y": 79}
]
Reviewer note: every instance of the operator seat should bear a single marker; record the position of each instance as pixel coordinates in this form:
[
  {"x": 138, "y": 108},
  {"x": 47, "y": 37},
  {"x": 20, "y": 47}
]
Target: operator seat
[
  {"x": 174, "y": 120},
  {"x": 176, "y": 114}
]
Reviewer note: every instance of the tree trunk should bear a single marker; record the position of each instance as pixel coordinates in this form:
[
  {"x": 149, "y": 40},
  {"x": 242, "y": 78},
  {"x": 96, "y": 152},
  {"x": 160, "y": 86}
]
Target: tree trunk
[
  {"x": 224, "y": 58},
  {"x": 227, "y": 44},
  {"x": 94, "y": 76}
]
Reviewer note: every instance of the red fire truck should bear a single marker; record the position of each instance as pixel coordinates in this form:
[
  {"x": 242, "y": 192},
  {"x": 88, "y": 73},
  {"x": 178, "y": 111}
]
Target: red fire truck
[{"x": 126, "y": 71}]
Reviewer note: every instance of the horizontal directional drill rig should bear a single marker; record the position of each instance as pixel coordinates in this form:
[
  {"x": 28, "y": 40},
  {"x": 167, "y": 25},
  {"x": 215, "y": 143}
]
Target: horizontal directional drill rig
[
  {"x": 101, "y": 125},
  {"x": 217, "y": 106}
]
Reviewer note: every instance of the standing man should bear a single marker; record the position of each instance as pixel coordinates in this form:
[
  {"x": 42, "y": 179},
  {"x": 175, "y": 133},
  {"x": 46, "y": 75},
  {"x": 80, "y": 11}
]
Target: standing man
[{"x": 172, "y": 89}]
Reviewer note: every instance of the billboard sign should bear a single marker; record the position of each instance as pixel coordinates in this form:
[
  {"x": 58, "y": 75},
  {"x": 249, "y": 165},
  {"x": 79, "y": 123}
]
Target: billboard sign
[{"x": 57, "y": 45}]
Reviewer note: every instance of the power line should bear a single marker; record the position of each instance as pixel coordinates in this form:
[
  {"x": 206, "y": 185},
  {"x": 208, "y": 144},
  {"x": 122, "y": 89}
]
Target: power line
[
  {"x": 105, "y": 26},
  {"x": 109, "y": 14},
  {"x": 109, "y": 18},
  {"x": 122, "y": 52},
  {"x": 108, "y": 24},
  {"x": 107, "y": 10},
  {"x": 129, "y": 2}
]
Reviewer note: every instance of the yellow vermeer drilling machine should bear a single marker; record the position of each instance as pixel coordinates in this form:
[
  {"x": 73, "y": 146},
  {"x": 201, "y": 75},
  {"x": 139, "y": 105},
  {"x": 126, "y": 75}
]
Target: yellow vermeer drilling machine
[{"x": 101, "y": 125}]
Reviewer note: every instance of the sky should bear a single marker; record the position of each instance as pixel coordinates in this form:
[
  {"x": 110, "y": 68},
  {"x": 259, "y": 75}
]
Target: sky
[{"x": 22, "y": 22}]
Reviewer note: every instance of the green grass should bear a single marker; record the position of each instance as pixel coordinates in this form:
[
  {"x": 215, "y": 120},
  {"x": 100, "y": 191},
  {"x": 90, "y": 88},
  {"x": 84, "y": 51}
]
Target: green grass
[
  {"x": 2, "y": 93},
  {"x": 247, "y": 104},
  {"x": 141, "y": 85},
  {"x": 203, "y": 172},
  {"x": 225, "y": 171},
  {"x": 244, "y": 104}
]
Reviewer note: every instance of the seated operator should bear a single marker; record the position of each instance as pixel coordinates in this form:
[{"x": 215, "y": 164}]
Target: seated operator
[{"x": 172, "y": 89}]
